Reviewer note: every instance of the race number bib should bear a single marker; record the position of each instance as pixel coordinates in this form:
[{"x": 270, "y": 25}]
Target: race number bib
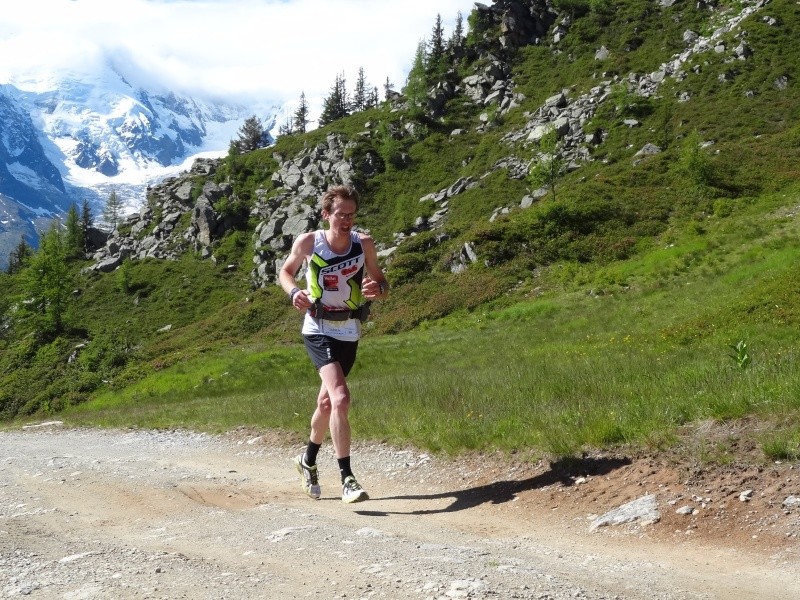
[{"x": 341, "y": 329}]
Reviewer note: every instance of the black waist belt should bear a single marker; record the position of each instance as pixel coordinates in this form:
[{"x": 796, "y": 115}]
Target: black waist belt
[{"x": 320, "y": 312}]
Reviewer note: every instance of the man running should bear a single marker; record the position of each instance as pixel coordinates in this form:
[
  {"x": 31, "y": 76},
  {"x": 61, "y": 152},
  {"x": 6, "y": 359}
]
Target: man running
[{"x": 342, "y": 273}]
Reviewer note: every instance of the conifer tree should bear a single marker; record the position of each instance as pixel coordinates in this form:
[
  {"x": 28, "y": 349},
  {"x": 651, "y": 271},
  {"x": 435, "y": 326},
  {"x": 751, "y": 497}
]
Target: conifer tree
[
  {"x": 46, "y": 283},
  {"x": 416, "y": 82},
  {"x": 360, "y": 93},
  {"x": 372, "y": 98},
  {"x": 286, "y": 127},
  {"x": 112, "y": 213},
  {"x": 252, "y": 135},
  {"x": 87, "y": 222},
  {"x": 388, "y": 89},
  {"x": 74, "y": 241},
  {"x": 457, "y": 38},
  {"x": 435, "y": 57},
  {"x": 18, "y": 258},
  {"x": 335, "y": 106},
  {"x": 300, "y": 123}
]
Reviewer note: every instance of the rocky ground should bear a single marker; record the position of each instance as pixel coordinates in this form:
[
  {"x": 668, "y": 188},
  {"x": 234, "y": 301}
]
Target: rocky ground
[{"x": 154, "y": 514}]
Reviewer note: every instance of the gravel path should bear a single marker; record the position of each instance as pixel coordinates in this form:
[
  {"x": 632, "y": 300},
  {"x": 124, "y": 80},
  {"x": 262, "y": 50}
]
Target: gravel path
[{"x": 142, "y": 514}]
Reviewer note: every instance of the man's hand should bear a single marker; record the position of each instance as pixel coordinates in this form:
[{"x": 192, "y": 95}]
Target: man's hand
[
  {"x": 300, "y": 300},
  {"x": 372, "y": 289}
]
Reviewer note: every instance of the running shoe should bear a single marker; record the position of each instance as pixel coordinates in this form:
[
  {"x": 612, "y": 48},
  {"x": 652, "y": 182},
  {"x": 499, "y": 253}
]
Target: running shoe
[
  {"x": 352, "y": 491},
  {"x": 310, "y": 479}
]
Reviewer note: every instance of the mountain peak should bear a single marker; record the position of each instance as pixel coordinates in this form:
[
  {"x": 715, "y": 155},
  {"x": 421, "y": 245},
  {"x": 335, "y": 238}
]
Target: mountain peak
[{"x": 73, "y": 134}]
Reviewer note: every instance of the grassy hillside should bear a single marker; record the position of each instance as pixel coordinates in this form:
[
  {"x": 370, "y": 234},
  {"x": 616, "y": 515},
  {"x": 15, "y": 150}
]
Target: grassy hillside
[{"x": 643, "y": 294}]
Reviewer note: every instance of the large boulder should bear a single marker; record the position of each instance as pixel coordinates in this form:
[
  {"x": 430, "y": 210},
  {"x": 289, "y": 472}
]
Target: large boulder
[{"x": 204, "y": 220}]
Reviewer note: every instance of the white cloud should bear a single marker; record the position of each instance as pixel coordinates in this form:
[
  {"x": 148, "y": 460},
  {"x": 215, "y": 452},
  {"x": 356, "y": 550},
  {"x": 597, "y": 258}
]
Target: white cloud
[{"x": 240, "y": 50}]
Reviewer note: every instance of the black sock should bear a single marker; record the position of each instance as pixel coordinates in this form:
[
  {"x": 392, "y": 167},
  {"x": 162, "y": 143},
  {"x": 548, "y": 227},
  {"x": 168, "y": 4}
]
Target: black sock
[
  {"x": 310, "y": 457},
  {"x": 344, "y": 467}
]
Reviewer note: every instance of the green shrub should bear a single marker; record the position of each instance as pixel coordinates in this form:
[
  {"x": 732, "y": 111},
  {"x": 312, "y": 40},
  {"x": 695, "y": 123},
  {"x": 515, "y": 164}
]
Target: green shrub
[{"x": 235, "y": 247}]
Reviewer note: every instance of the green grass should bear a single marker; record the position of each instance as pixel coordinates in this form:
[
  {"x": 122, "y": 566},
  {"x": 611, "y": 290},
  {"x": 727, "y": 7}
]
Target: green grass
[
  {"x": 498, "y": 382},
  {"x": 554, "y": 375}
]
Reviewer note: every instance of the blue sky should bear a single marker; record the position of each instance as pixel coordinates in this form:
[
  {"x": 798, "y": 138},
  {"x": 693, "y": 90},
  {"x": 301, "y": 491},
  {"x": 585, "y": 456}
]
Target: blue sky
[{"x": 241, "y": 50}]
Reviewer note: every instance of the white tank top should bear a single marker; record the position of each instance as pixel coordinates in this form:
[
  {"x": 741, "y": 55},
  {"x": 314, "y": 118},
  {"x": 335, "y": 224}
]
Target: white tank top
[{"x": 335, "y": 279}]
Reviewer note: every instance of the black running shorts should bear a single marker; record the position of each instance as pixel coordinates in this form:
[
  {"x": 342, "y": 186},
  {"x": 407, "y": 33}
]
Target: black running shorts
[{"x": 325, "y": 350}]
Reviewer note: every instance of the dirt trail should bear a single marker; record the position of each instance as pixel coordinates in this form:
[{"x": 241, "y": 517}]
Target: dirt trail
[{"x": 142, "y": 514}]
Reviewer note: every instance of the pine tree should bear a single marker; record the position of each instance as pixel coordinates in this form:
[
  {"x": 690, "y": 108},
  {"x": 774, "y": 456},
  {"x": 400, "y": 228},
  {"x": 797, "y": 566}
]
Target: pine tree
[
  {"x": 112, "y": 213},
  {"x": 388, "y": 89},
  {"x": 252, "y": 135},
  {"x": 74, "y": 240},
  {"x": 360, "y": 93},
  {"x": 435, "y": 59},
  {"x": 416, "y": 82},
  {"x": 335, "y": 106},
  {"x": 300, "y": 123},
  {"x": 372, "y": 98},
  {"x": 46, "y": 283},
  {"x": 18, "y": 258},
  {"x": 87, "y": 222},
  {"x": 286, "y": 127},
  {"x": 457, "y": 39}
]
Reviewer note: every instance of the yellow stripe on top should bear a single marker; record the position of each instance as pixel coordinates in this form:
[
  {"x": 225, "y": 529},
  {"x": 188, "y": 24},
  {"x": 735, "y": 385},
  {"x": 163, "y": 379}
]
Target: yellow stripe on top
[{"x": 335, "y": 279}]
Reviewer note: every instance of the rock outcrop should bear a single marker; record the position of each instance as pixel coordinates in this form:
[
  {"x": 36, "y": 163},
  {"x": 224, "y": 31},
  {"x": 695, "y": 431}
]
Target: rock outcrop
[{"x": 179, "y": 218}]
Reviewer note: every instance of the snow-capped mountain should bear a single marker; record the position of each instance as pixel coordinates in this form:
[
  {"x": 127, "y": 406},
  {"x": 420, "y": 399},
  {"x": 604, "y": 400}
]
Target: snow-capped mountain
[
  {"x": 70, "y": 136},
  {"x": 25, "y": 169}
]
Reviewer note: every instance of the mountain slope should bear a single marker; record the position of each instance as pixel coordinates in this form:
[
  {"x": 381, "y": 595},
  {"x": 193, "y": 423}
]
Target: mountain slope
[
  {"x": 70, "y": 136},
  {"x": 464, "y": 153},
  {"x": 31, "y": 187},
  {"x": 25, "y": 170},
  {"x": 671, "y": 136}
]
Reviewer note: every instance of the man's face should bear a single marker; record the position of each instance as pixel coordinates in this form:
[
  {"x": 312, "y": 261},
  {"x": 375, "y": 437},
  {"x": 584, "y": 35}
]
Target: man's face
[{"x": 343, "y": 215}]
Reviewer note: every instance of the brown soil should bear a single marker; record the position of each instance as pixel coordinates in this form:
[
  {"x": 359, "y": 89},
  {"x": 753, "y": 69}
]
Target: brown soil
[
  {"x": 708, "y": 469},
  {"x": 719, "y": 471}
]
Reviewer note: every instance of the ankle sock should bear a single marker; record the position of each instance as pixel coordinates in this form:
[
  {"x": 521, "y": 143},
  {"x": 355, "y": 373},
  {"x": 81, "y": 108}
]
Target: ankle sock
[
  {"x": 344, "y": 467},
  {"x": 310, "y": 456}
]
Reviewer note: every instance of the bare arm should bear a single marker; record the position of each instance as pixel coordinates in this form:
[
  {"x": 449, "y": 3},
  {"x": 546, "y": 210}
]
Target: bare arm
[
  {"x": 375, "y": 286},
  {"x": 301, "y": 249}
]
